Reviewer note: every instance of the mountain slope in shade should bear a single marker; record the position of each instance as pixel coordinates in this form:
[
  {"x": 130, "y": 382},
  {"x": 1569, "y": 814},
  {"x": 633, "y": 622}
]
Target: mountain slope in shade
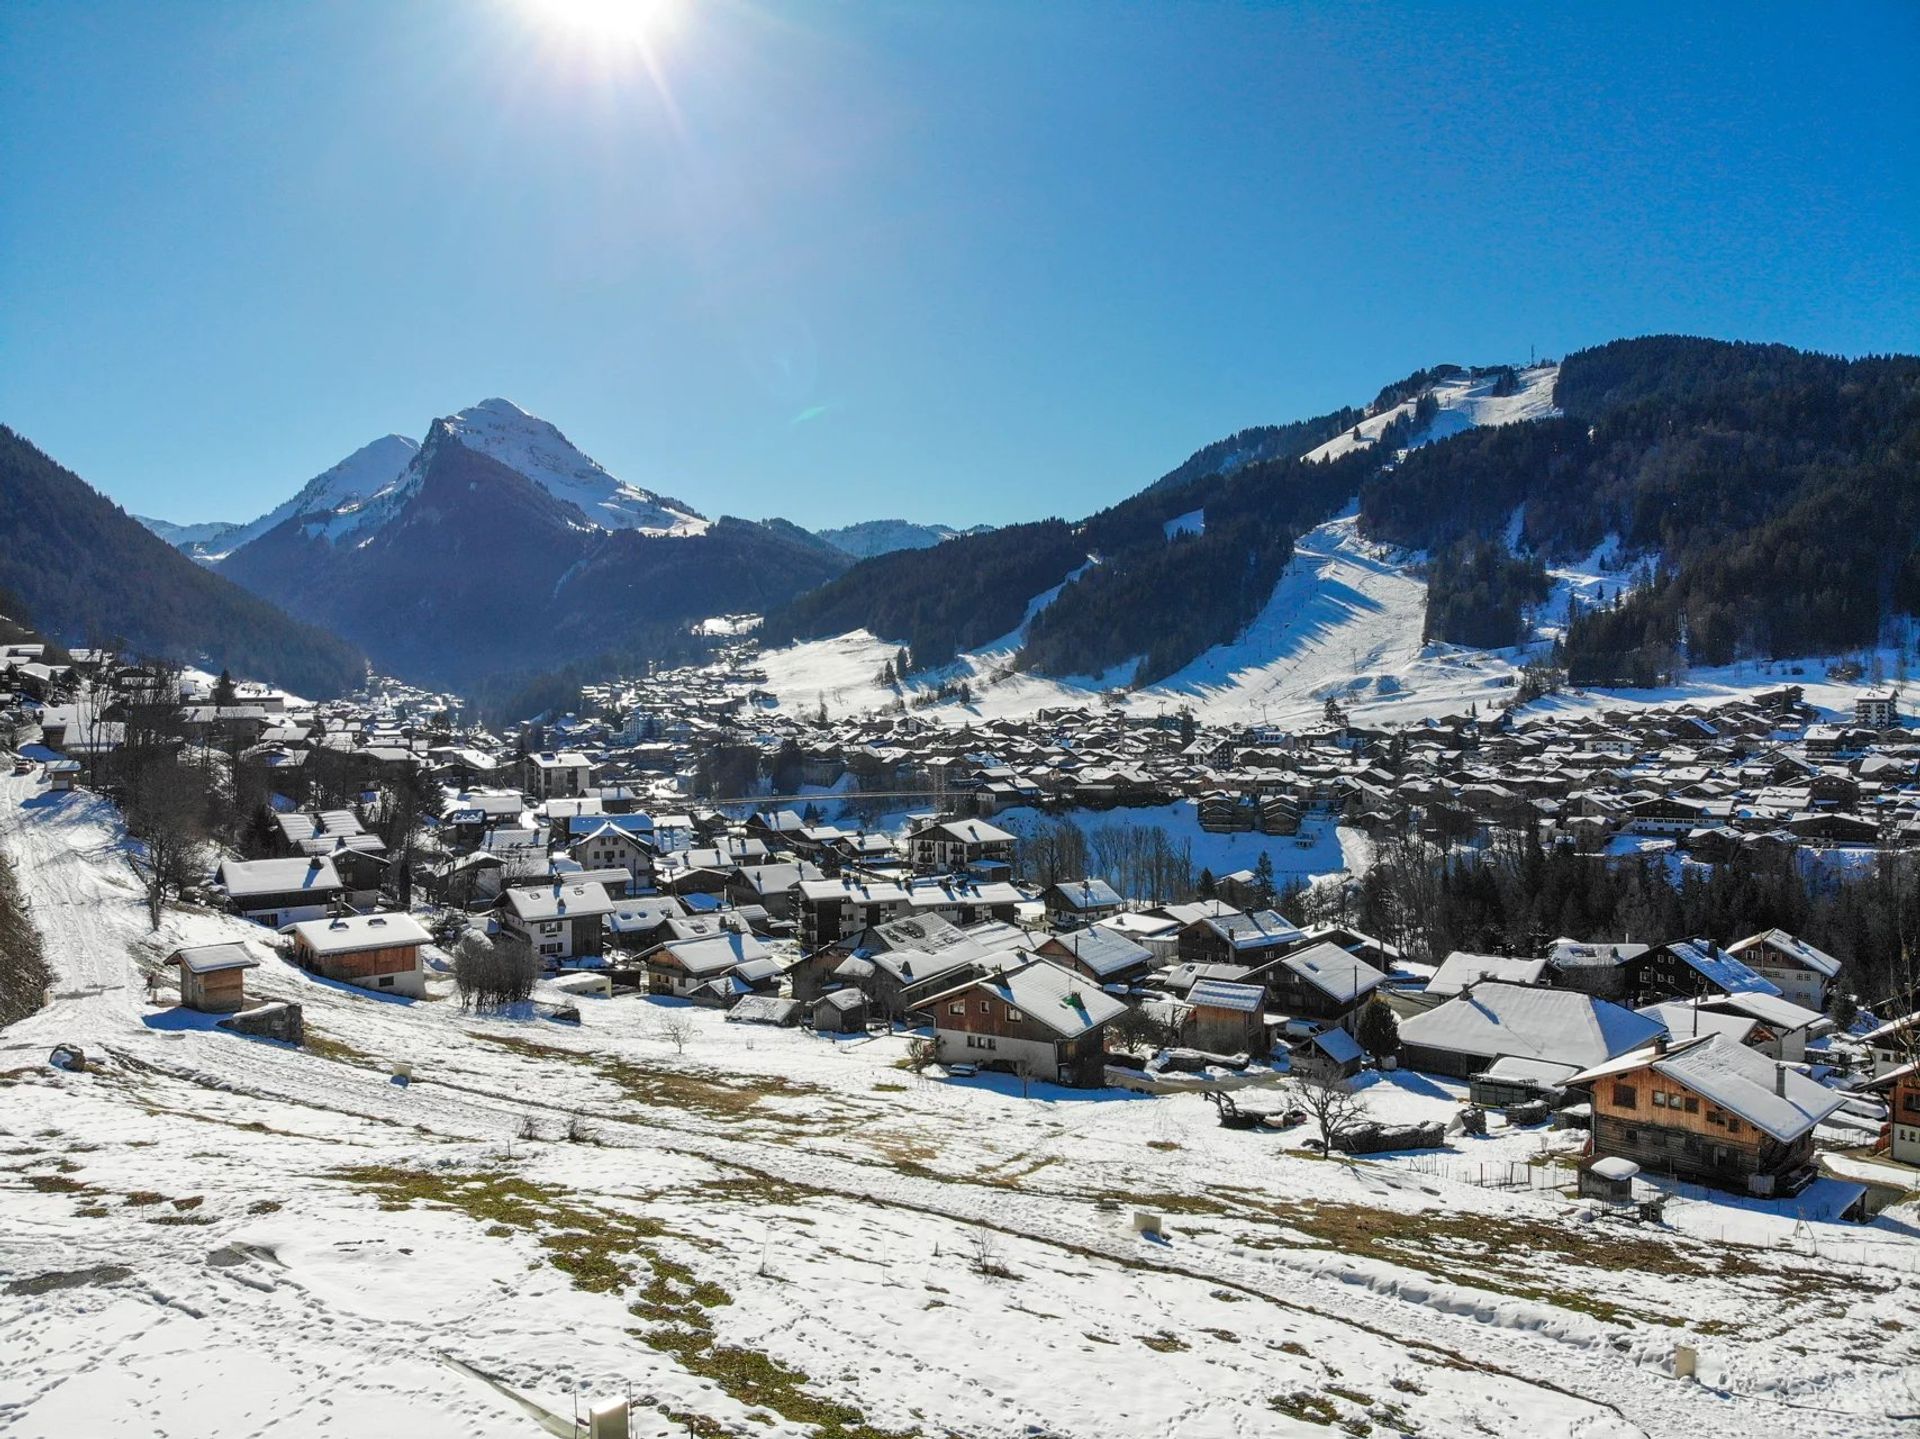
[
  {"x": 89, "y": 572},
  {"x": 467, "y": 567},
  {"x": 883, "y": 537}
]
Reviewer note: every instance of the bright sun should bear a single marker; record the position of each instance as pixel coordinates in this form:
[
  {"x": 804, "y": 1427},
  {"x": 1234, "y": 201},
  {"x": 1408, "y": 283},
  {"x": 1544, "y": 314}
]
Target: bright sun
[{"x": 631, "y": 22}]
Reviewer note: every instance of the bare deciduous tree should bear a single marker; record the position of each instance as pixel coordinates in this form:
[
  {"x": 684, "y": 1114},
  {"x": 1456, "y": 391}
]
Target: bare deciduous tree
[
  {"x": 491, "y": 974},
  {"x": 676, "y": 1029},
  {"x": 1330, "y": 1105},
  {"x": 167, "y": 812}
]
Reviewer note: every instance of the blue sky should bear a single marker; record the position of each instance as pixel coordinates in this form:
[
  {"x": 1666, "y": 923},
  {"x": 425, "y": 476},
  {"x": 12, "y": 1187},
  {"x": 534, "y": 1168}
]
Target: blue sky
[{"x": 964, "y": 262}]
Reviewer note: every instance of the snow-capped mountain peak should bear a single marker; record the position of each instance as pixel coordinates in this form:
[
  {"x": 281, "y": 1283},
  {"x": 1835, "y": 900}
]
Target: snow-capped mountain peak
[{"x": 503, "y": 431}]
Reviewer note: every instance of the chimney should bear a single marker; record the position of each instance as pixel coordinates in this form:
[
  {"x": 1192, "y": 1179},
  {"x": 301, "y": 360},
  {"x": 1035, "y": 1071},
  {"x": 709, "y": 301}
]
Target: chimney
[
  {"x": 1780, "y": 1080},
  {"x": 1660, "y": 1043}
]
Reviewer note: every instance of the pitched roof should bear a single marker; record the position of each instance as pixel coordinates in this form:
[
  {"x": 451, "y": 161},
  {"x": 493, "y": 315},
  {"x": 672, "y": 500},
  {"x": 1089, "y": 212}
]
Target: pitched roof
[
  {"x": 1333, "y": 970},
  {"x": 1561, "y": 1025},
  {"x": 1065, "y": 1002},
  {"x": 1225, "y": 994},
  {"x": 1791, "y": 946},
  {"x": 348, "y": 933},
  {"x": 1774, "y": 1098},
  {"x": 243, "y": 877},
  {"x": 1719, "y": 968},
  {"x": 210, "y": 958},
  {"x": 1460, "y": 969}
]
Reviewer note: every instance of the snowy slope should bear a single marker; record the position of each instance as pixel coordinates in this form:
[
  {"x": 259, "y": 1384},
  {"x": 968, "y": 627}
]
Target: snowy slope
[
  {"x": 190, "y": 538},
  {"x": 1465, "y": 403},
  {"x": 368, "y": 470},
  {"x": 206, "y": 1236},
  {"x": 524, "y": 442},
  {"x": 883, "y": 537}
]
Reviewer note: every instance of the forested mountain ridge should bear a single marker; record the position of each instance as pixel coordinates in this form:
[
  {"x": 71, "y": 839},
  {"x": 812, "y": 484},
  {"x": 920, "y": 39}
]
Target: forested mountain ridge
[
  {"x": 1775, "y": 494},
  {"x": 87, "y": 572},
  {"x": 1771, "y": 495}
]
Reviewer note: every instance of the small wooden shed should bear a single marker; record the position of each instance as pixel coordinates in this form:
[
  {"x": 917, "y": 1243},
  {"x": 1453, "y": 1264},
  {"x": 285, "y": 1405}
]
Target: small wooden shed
[
  {"x": 841, "y": 1011},
  {"x": 213, "y": 977}
]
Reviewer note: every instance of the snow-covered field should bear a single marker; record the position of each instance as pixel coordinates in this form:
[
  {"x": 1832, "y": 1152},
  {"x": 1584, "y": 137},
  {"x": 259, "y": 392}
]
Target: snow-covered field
[{"x": 210, "y": 1236}]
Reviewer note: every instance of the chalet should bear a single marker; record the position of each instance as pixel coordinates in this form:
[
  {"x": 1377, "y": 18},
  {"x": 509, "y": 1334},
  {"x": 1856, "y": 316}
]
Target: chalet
[
  {"x": 279, "y": 892},
  {"x": 1159, "y": 935},
  {"x": 839, "y": 1011},
  {"x": 1782, "y": 1028},
  {"x": 1893, "y": 1044},
  {"x": 1492, "y": 1021},
  {"x": 1686, "y": 969},
  {"x": 956, "y": 844},
  {"x": 1596, "y": 969},
  {"x": 770, "y": 885},
  {"x": 562, "y": 775},
  {"x": 561, "y": 920},
  {"x": 1230, "y": 937},
  {"x": 1103, "y": 955},
  {"x": 1322, "y": 982},
  {"x": 1799, "y": 971},
  {"x": 1038, "y": 1019},
  {"x": 680, "y": 967},
  {"x": 213, "y": 977},
  {"x": 899, "y": 963},
  {"x": 1226, "y": 1018},
  {"x": 1901, "y": 1088},
  {"x": 372, "y": 951},
  {"x": 1075, "y": 902},
  {"x": 1711, "y": 1111}
]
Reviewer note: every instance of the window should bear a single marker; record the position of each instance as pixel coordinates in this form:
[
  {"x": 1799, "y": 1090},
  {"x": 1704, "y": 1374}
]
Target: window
[
  {"x": 1714, "y": 1116},
  {"x": 958, "y": 1007},
  {"x": 986, "y": 1006},
  {"x": 980, "y": 1041},
  {"x": 1625, "y": 1096},
  {"x": 386, "y": 981},
  {"x": 1014, "y": 1015},
  {"x": 1690, "y": 1104},
  {"x": 1659, "y": 1099}
]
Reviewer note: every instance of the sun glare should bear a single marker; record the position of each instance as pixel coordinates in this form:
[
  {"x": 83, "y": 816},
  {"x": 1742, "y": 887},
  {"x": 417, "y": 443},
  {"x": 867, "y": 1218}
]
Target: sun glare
[{"x": 610, "y": 22}]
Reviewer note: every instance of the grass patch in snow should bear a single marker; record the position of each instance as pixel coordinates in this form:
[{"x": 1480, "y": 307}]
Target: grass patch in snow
[
  {"x": 606, "y": 1252},
  {"x": 325, "y": 1046}
]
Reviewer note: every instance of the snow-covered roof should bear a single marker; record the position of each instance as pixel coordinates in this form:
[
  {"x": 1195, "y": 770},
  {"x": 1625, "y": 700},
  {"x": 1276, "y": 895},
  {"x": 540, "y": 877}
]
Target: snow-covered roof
[
  {"x": 716, "y": 954},
  {"x": 1775, "y": 1098},
  {"x": 561, "y": 900},
  {"x": 241, "y": 878},
  {"x": 1086, "y": 894},
  {"x": 1262, "y": 929},
  {"x": 1561, "y": 1025},
  {"x": 1460, "y": 969},
  {"x": 1330, "y": 968},
  {"x": 1337, "y": 1045},
  {"x": 1104, "y": 951},
  {"x": 1225, "y": 994},
  {"x": 1791, "y": 947},
  {"x": 1067, "y": 1003},
  {"x": 348, "y": 933},
  {"x": 1719, "y": 968},
  {"x": 211, "y": 958},
  {"x": 1686, "y": 1021}
]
